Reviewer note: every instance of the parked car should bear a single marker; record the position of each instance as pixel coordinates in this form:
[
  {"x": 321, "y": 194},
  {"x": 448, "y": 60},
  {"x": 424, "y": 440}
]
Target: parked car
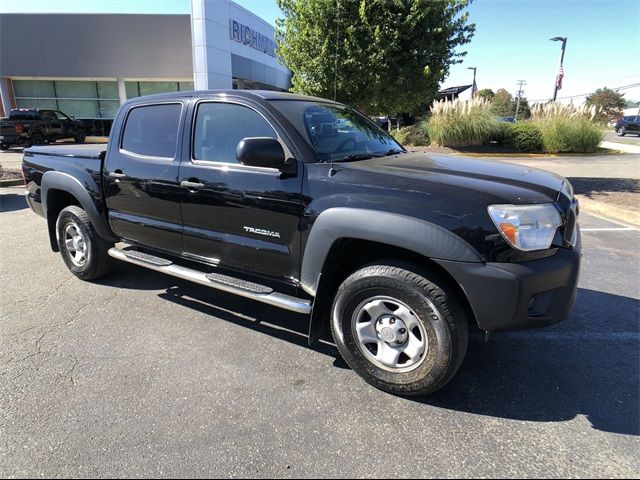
[
  {"x": 628, "y": 124},
  {"x": 263, "y": 195},
  {"x": 33, "y": 127}
]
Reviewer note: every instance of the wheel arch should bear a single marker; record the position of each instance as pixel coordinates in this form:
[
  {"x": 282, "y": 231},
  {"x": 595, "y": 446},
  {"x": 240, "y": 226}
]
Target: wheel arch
[
  {"x": 60, "y": 190},
  {"x": 349, "y": 239}
]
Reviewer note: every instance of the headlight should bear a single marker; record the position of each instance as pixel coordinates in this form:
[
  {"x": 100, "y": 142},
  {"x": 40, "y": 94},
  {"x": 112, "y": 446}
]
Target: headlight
[{"x": 527, "y": 227}]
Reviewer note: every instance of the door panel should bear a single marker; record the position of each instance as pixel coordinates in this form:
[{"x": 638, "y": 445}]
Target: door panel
[
  {"x": 53, "y": 127},
  {"x": 244, "y": 218},
  {"x": 141, "y": 178}
]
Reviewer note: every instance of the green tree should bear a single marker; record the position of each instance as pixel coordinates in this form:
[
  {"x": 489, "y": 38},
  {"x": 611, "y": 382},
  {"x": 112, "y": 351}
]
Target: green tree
[
  {"x": 382, "y": 56},
  {"x": 486, "y": 93},
  {"x": 608, "y": 102},
  {"x": 502, "y": 104}
]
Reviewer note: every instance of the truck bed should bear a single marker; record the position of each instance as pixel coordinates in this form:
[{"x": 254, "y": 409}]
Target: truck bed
[{"x": 72, "y": 151}]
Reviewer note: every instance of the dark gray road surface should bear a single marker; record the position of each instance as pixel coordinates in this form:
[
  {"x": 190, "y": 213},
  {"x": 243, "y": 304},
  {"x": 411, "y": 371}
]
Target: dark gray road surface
[{"x": 144, "y": 375}]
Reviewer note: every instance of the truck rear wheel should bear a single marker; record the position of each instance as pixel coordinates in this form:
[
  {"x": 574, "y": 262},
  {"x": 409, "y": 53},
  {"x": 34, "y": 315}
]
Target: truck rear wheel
[
  {"x": 80, "y": 136},
  {"x": 84, "y": 252},
  {"x": 402, "y": 331}
]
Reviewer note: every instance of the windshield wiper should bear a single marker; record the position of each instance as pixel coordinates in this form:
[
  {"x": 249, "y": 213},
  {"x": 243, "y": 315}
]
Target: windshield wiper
[
  {"x": 354, "y": 157},
  {"x": 393, "y": 151}
]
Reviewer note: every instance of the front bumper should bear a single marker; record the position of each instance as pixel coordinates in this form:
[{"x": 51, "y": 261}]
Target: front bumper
[{"x": 531, "y": 294}]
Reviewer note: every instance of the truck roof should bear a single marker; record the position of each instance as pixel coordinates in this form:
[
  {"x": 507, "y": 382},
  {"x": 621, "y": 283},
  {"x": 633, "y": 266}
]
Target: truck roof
[{"x": 257, "y": 94}]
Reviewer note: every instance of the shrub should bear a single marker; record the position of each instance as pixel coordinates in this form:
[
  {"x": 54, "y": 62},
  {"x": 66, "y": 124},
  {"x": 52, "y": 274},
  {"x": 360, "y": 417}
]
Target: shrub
[
  {"x": 566, "y": 128},
  {"x": 414, "y": 135},
  {"x": 501, "y": 133},
  {"x": 525, "y": 136},
  {"x": 461, "y": 123}
]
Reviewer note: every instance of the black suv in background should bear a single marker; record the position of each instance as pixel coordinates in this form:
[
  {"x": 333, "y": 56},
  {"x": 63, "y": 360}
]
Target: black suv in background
[
  {"x": 628, "y": 124},
  {"x": 26, "y": 126}
]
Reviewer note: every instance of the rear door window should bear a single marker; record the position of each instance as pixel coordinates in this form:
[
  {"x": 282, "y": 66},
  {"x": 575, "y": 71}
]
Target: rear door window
[{"x": 152, "y": 130}]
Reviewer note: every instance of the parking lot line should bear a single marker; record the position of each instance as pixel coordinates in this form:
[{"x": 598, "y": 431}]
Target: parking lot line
[{"x": 610, "y": 229}]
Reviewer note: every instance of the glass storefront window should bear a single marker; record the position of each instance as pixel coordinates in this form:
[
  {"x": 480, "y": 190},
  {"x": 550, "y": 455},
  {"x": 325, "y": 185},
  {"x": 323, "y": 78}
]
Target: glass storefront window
[
  {"x": 36, "y": 103},
  {"x": 132, "y": 89},
  {"x": 75, "y": 89},
  {"x": 108, "y": 108},
  {"x": 80, "y": 108},
  {"x": 34, "y": 88},
  {"x": 108, "y": 90},
  {"x": 85, "y": 98},
  {"x": 150, "y": 88}
]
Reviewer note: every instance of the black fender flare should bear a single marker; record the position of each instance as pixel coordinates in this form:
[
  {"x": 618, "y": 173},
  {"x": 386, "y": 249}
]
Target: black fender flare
[
  {"x": 70, "y": 184},
  {"x": 415, "y": 235},
  {"x": 419, "y": 236}
]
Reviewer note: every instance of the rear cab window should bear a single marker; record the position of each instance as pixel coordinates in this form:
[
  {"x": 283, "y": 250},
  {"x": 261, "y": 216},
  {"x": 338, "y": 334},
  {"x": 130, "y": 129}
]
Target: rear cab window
[
  {"x": 24, "y": 115},
  {"x": 152, "y": 130}
]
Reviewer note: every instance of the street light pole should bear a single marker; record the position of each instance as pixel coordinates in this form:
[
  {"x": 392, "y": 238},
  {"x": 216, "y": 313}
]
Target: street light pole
[
  {"x": 474, "y": 88},
  {"x": 560, "y": 71}
]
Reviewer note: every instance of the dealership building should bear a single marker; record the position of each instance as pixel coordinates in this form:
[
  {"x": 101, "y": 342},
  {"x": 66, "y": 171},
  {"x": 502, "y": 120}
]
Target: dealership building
[{"x": 86, "y": 65}]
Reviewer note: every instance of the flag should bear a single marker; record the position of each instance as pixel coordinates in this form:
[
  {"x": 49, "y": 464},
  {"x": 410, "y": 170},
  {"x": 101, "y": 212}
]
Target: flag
[{"x": 559, "y": 78}]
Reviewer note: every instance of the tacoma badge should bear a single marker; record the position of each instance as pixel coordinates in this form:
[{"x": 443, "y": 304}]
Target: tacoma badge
[{"x": 261, "y": 231}]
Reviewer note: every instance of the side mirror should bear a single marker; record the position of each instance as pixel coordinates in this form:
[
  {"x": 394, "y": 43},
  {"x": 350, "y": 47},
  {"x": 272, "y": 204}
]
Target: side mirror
[{"x": 263, "y": 152}]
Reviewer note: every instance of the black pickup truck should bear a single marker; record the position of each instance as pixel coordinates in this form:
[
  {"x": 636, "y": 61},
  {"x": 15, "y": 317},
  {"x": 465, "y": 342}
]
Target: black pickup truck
[
  {"x": 30, "y": 127},
  {"x": 307, "y": 205}
]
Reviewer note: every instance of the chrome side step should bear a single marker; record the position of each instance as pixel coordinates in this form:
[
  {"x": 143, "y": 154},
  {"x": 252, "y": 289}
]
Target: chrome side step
[{"x": 218, "y": 281}]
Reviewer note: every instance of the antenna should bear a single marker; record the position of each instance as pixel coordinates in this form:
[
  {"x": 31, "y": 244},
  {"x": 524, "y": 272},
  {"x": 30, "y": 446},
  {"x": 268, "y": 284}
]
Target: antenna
[{"x": 332, "y": 171}]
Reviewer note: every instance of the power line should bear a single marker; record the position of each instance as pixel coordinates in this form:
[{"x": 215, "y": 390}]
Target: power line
[{"x": 624, "y": 87}]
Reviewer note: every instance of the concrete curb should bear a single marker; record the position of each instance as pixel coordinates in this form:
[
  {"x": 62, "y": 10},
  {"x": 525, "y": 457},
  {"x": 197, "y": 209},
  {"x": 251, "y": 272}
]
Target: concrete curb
[
  {"x": 609, "y": 210},
  {"x": 623, "y": 147},
  {"x": 11, "y": 183}
]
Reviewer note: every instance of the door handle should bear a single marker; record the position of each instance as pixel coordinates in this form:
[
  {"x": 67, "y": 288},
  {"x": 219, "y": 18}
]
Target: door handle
[
  {"x": 117, "y": 174},
  {"x": 191, "y": 185}
]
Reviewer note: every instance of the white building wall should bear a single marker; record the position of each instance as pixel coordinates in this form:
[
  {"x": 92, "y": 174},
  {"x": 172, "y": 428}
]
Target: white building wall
[{"x": 213, "y": 46}]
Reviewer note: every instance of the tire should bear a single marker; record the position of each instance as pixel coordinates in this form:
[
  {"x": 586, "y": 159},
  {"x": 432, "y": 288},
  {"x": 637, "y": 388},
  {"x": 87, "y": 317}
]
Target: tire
[
  {"x": 392, "y": 296},
  {"x": 35, "y": 139},
  {"x": 83, "y": 251},
  {"x": 620, "y": 131},
  {"x": 80, "y": 137},
  {"x": 4, "y": 146}
]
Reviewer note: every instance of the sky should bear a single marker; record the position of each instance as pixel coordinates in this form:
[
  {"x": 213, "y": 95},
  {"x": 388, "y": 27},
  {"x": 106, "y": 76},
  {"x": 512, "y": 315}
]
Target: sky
[{"x": 511, "y": 41}]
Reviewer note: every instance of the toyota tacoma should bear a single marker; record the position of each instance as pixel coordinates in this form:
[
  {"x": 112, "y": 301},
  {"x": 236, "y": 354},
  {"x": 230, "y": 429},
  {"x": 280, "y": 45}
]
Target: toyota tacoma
[{"x": 307, "y": 205}]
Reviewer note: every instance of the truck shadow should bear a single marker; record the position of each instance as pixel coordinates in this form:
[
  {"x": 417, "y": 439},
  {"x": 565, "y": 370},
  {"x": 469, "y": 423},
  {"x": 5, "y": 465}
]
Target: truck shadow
[
  {"x": 587, "y": 366},
  {"x": 11, "y": 202}
]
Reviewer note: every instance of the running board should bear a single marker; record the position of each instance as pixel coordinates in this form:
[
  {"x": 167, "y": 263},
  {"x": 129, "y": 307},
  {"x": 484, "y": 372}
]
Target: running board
[{"x": 218, "y": 281}]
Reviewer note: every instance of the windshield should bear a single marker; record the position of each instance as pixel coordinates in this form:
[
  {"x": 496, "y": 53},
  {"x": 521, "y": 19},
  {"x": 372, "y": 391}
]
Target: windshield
[{"x": 336, "y": 132}]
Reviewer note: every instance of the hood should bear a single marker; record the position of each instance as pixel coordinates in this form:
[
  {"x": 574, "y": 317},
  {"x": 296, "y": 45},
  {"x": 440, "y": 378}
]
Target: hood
[{"x": 515, "y": 184}]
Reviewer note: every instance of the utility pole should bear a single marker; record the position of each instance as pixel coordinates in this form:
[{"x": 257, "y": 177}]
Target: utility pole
[{"x": 519, "y": 94}]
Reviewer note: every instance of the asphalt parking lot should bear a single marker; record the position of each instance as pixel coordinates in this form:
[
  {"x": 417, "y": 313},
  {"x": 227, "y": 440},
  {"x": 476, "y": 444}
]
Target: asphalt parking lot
[{"x": 146, "y": 375}]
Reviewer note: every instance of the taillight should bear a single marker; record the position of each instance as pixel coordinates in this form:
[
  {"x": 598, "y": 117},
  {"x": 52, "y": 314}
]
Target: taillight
[{"x": 19, "y": 128}]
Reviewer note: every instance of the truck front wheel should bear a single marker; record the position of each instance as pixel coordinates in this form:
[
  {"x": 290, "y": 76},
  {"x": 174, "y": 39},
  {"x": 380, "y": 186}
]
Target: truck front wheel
[
  {"x": 84, "y": 252},
  {"x": 404, "y": 332}
]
